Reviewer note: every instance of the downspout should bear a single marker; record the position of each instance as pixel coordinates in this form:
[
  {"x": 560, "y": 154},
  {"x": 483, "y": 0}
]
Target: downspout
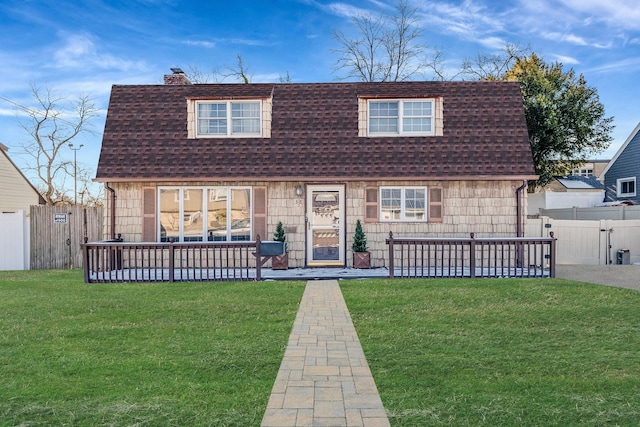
[
  {"x": 113, "y": 210},
  {"x": 519, "y": 232}
]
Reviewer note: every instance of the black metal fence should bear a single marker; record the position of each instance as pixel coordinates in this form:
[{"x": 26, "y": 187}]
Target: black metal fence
[
  {"x": 116, "y": 261},
  {"x": 471, "y": 257}
]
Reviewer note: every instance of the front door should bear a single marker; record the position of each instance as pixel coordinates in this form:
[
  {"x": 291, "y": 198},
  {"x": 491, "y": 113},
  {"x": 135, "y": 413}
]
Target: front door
[{"x": 325, "y": 225}]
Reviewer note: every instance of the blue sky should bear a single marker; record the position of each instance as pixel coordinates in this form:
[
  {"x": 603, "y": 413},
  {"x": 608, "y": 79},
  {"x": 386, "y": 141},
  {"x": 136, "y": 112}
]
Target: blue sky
[{"x": 83, "y": 47}]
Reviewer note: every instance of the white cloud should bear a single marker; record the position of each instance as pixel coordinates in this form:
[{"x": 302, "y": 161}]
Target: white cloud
[
  {"x": 201, "y": 43},
  {"x": 616, "y": 13},
  {"x": 564, "y": 37},
  {"x": 347, "y": 10},
  {"x": 79, "y": 51},
  {"x": 566, "y": 60},
  {"x": 629, "y": 64}
]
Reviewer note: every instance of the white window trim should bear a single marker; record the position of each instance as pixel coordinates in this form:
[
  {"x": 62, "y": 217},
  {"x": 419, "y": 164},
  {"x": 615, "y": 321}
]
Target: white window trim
[
  {"x": 229, "y": 133},
  {"x": 403, "y": 204},
  {"x": 205, "y": 209},
  {"x": 619, "y": 183},
  {"x": 401, "y": 131}
]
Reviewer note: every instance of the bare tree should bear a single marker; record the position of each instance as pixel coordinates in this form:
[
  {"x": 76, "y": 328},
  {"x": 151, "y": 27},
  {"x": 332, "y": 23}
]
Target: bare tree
[
  {"x": 198, "y": 76},
  {"x": 51, "y": 128},
  {"x": 240, "y": 71},
  {"x": 493, "y": 66},
  {"x": 388, "y": 48}
]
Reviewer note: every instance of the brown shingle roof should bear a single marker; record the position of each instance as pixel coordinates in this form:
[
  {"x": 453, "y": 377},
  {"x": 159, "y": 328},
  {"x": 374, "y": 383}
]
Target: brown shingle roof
[{"x": 315, "y": 135}]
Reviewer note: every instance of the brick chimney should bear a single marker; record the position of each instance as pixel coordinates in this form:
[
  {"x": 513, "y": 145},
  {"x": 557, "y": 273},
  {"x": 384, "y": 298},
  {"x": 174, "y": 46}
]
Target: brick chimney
[{"x": 178, "y": 77}]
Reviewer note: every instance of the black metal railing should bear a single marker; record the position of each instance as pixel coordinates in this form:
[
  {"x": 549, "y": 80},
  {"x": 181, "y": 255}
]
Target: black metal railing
[
  {"x": 116, "y": 261},
  {"x": 471, "y": 257}
]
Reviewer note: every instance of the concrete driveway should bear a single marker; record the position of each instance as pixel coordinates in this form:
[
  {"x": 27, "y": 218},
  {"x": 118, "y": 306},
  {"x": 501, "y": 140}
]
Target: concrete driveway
[{"x": 623, "y": 276}]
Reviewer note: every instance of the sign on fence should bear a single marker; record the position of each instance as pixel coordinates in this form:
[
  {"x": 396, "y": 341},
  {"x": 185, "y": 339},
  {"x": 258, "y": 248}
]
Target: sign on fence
[{"x": 60, "y": 218}]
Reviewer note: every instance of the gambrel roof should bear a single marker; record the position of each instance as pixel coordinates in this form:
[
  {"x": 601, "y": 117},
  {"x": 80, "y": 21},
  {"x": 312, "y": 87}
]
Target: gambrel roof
[{"x": 314, "y": 135}]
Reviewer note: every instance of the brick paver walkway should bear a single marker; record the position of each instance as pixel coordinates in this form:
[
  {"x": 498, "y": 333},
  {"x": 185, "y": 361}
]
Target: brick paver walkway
[{"x": 324, "y": 379}]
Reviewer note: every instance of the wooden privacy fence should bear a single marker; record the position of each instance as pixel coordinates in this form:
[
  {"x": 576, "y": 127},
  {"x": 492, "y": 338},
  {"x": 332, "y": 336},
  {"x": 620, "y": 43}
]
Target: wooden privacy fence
[
  {"x": 462, "y": 257},
  {"x": 117, "y": 261},
  {"x": 57, "y": 233}
]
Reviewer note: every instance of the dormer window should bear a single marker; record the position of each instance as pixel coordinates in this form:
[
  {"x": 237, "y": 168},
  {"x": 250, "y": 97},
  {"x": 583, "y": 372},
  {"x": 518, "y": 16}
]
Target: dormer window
[
  {"x": 228, "y": 119},
  {"x": 401, "y": 117}
]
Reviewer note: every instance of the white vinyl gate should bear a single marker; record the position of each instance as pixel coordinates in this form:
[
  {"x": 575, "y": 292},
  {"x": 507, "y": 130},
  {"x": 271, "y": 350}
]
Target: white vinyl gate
[
  {"x": 14, "y": 244},
  {"x": 589, "y": 242}
]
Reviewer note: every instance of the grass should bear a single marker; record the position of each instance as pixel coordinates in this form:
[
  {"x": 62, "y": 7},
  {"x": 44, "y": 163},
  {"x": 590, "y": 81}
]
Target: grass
[
  {"x": 139, "y": 354},
  {"x": 500, "y": 352},
  {"x": 442, "y": 352}
]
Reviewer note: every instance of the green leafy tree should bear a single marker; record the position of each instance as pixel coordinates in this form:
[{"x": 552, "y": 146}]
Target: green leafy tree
[
  {"x": 279, "y": 235},
  {"x": 565, "y": 118}
]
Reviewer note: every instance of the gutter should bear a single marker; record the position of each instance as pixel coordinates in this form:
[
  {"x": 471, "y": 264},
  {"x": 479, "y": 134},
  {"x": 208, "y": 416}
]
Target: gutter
[
  {"x": 112, "y": 224},
  {"x": 519, "y": 232}
]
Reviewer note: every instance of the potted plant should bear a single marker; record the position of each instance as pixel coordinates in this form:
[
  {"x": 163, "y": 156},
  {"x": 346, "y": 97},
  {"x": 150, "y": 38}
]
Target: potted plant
[
  {"x": 361, "y": 258},
  {"x": 280, "y": 262}
]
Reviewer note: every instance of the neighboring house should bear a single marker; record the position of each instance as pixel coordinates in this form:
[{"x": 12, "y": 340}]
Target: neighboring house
[
  {"x": 620, "y": 177},
  {"x": 590, "y": 168},
  {"x": 567, "y": 192},
  {"x": 16, "y": 192},
  {"x": 198, "y": 162}
]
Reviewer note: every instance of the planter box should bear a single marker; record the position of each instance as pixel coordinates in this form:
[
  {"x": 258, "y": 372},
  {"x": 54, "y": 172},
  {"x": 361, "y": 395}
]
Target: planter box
[
  {"x": 361, "y": 260},
  {"x": 270, "y": 248},
  {"x": 280, "y": 262}
]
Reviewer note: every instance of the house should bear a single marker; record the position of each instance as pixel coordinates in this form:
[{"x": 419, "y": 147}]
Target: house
[
  {"x": 620, "y": 176},
  {"x": 582, "y": 191},
  {"x": 226, "y": 162},
  {"x": 590, "y": 168},
  {"x": 16, "y": 192}
]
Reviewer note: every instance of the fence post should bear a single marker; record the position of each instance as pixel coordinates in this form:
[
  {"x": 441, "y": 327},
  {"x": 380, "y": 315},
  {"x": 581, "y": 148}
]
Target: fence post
[
  {"x": 85, "y": 259},
  {"x": 552, "y": 256},
  {"x": 258, "y": 259},
  {"x": 171, "y": 260},
  {"x": 472, "y": 256},
  {"x": 390, "y": 243}
]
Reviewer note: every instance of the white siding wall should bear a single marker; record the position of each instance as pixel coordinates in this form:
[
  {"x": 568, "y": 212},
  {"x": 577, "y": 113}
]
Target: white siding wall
[{"x": 15, "y": 191}]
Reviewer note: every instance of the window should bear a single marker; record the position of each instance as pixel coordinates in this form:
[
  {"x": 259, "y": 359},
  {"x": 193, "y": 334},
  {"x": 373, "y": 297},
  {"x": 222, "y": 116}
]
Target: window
[
  {"x": 403, "y": 204},
  {"x": 197, "y": 214},
  {"x": 627, "y": 187},
  {"x": 583, "y": 172},
  {"x": 401, "y": 117},
  {"x": 227, "y": 118}
]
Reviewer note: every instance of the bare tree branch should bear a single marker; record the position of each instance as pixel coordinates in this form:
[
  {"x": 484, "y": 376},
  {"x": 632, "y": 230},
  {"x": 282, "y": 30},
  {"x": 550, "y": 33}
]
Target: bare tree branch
[
  {"x": 50, "y": 128},
  {"x": 388, "y": 48}
]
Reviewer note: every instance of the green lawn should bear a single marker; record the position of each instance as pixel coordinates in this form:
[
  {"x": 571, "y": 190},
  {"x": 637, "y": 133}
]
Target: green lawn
[
  {"x": 139, "y": 354},
  {"x": 443, "y": 352},
  {"x": 501, "y": 352}
]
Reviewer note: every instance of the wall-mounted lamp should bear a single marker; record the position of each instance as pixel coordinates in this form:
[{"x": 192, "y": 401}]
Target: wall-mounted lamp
[{"x": 299, "y": 190}]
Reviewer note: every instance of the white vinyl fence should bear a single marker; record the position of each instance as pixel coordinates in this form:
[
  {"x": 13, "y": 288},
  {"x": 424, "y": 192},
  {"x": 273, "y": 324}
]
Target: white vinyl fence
[
  {"x": 590, "y": 242},
  {"x": 14, "y": 244}
]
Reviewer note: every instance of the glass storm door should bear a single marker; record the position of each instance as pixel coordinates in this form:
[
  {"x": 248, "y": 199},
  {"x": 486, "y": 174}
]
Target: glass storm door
[{"x": 325, "y": 225}]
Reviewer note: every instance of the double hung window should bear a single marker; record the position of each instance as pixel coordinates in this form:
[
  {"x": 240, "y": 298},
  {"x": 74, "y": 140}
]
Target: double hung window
[
  {"x": 403, "y": 204},
  {"x": 626, "y": 187},
  {"x": 401, "y": 117},
  {"x": 228, "y": 118}
]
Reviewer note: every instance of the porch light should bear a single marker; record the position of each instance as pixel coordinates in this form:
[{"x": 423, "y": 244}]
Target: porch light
[{"x": 299, "y": 190}]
